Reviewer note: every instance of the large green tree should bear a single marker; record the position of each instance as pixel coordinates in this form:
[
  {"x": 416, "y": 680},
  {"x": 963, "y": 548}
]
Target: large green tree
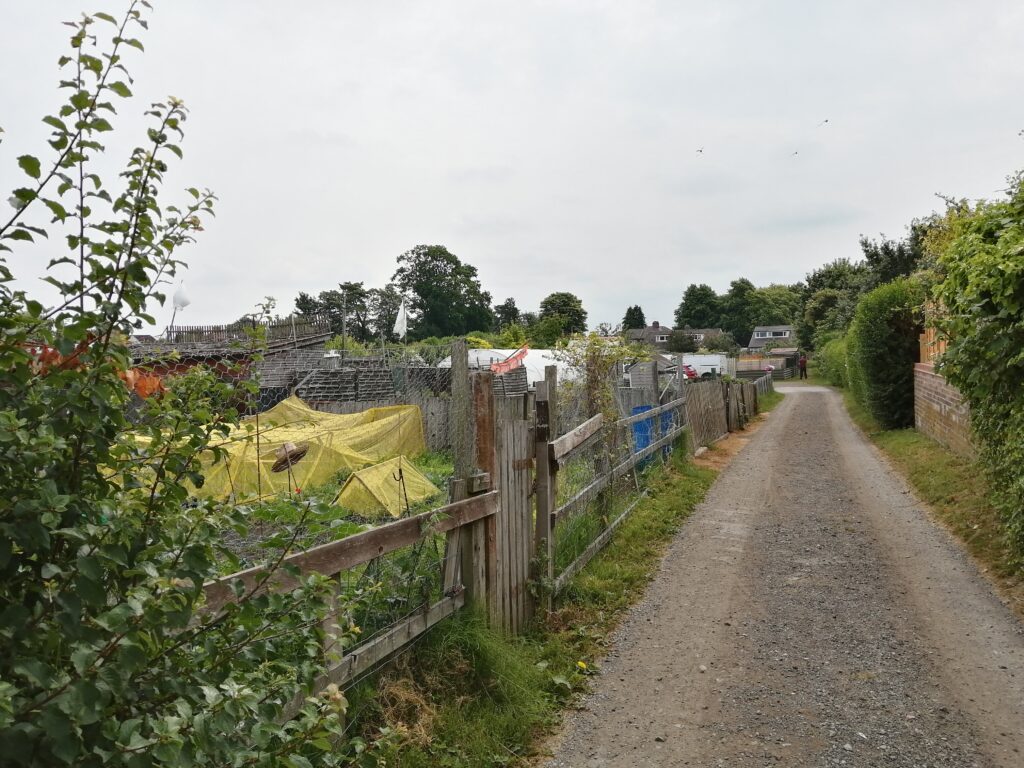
[
  {"x": 889, "y": 259},
  {"x": 445, "y": 296},
  {"x": 383, "y": 305},
  {"x": 567, "y": 306},
  {"x": 634, "y": 318},
  {"x": 346, "y": 308},
  {"x": 506, "y": 313},
  {"x": 735, "y": 304},
  {"x": 701, "y": 307},
  {"x": 773, "y": 305}
]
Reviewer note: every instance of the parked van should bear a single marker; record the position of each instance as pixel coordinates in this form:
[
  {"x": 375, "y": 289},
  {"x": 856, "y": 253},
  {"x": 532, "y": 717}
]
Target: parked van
[{"x": 708, "y": 366}]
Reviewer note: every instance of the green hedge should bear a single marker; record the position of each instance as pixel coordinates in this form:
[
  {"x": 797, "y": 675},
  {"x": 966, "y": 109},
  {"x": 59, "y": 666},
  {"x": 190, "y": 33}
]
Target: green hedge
[
  {"x": 831, "y": 359},
  {"x": 983, "y": 319},
  {"x": 882, "y": 347}
]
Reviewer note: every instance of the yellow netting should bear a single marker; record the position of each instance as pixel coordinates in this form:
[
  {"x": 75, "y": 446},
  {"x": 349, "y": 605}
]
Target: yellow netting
[
  {"x": 331, "y": 442},
  {"x": 377, "y": 491}
]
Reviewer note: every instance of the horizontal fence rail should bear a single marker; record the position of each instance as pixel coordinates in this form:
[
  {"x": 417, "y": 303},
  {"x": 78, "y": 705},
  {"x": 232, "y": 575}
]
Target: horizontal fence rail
[{"x": 337, "y": 557}]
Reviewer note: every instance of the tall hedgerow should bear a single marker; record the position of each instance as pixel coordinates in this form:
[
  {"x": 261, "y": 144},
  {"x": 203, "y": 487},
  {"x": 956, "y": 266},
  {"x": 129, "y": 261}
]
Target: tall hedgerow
[
  {"x": 831, "y": 361},
  {"x": 882, "y": 347},
  {"x": 982, "y": 317},
  {"x": 107, "y": 655}
]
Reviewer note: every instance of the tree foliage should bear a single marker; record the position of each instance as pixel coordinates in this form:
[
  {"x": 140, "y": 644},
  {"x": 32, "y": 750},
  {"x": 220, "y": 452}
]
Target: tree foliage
[
  {"x": 634, "y": 318},
  {"x": 347, "y": 309},
  {"x": 445, "y": 295},
  {"x": 567, "y": 306},
  {"x": 889, "y": 259},
  {"x": 108, "y": 657},
  {"x": 700, "y": 308},
  {"x": 680, "y": 341},
  {"x": 720, "y": 341},
  {"x": 982, "y": 316},
  {"x": 506, "y": 313}
]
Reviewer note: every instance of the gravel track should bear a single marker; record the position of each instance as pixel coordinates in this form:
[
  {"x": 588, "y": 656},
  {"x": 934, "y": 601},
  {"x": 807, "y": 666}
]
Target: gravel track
[{"x": 809, "y": 614}]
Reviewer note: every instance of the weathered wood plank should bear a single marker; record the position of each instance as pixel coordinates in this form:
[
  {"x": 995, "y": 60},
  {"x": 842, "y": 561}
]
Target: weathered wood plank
[
  {"x": 363, "y": 657},
  {"x": 595, "y": 546},
  {"x": 337, "y": 556},
  {"x": 474, "y": 537},
  {"x": 570, "y": 441},
  {"x": 565, "y": 512},
  {"x": 678, "y": 403},
  {"x": 543, "y": 543}
]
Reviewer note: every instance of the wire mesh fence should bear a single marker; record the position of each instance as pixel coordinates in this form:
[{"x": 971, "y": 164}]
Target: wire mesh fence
[
  {"x": 331, "y": 445},
  {"x": 600, "y": 474}
]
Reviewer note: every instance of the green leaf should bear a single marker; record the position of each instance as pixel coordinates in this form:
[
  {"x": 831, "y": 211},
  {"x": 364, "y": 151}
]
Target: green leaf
[
  {"x": 55, "y": 123},
  {"x": 106, "y": 17},
  {"x": 30, "y": 165},
  {"x": 120, "y": 89},
  {"x": 56, "y": 209}
]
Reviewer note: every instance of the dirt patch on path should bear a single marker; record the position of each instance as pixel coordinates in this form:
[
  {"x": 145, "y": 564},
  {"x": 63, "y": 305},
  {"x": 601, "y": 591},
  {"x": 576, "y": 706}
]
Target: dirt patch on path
[
  {"x": 809, "y": 614},
  {"x": 721, "y": 454}
]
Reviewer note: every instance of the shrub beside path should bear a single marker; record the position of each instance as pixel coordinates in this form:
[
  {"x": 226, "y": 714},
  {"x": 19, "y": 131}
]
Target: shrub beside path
[{"x": 809, "y": 614}]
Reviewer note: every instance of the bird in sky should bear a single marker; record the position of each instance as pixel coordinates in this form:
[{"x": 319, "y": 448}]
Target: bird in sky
[
  {"x": 823, "y": 122},
  {"x": 795, "y": 153},
  {"x": 700, "y": 151}
]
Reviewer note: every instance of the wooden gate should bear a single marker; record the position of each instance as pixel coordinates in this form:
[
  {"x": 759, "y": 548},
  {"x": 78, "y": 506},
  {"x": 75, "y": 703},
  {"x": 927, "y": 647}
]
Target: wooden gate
[{"x": 510, "y": 601}]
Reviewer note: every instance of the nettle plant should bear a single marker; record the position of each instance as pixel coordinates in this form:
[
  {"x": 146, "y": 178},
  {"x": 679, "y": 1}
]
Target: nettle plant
[{"x": 107, "y": 654}]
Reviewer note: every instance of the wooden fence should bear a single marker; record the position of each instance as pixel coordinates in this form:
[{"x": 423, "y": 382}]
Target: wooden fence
[
  {"x": 501, "y": 538},
  {"x": 471, "y": 516},
  {"x": 553, "y": 453},
  {"x": 706, "y": 412}
]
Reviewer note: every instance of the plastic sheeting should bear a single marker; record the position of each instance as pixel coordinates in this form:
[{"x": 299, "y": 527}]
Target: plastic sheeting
[
  {"x": 327, "y": 442},
  {"x": 378, "y": 490}
]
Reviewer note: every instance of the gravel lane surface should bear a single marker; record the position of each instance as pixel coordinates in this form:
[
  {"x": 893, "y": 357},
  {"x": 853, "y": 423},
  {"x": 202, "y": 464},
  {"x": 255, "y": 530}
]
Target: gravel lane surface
[{"x": 809, "y": 614}]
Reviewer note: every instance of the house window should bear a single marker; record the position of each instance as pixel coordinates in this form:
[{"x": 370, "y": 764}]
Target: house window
[
  {"x": 660, "y": 339},
  {"x": 780, "y": 334},
  {"x": 761, "y": 335}
]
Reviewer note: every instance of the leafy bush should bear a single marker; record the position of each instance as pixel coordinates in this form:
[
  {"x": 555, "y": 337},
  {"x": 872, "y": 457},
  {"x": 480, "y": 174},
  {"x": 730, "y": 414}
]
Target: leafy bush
[
  {"x": 107, "y": 654},
  {"x": 983, "y": 320},
  {"x": 681, "y": 341},
  {"x": 831, "y": 361},
  {"x": 882, "y": 347}
]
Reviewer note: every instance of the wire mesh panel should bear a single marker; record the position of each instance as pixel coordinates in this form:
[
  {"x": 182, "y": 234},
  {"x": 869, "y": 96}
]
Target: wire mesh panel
[{"x": 603, "y": 479}]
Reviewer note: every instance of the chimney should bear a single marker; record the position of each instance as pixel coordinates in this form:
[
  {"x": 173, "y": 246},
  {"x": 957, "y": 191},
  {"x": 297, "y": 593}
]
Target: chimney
[{"x": 655, "y": 325}]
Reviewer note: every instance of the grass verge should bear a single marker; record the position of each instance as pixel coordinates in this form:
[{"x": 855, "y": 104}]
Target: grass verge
[
  {"x": 768, "y": 401},
  {"x": 957, "y": 491},
  {"x": 469, "y": 696}
]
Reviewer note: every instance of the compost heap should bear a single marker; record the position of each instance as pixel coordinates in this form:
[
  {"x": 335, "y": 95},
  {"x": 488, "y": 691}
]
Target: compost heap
[
  {"x": 302, "y": 448},
  {"x": 388, "y": 488}
]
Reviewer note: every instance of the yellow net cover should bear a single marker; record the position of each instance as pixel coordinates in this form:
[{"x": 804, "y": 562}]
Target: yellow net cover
[
  {"x": 377, "y": 491},
  {"x": 302, "y": 448}
]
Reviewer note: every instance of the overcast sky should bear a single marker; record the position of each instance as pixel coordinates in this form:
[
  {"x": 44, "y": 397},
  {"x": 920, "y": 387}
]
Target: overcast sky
[{"x": 552, "y": 145}]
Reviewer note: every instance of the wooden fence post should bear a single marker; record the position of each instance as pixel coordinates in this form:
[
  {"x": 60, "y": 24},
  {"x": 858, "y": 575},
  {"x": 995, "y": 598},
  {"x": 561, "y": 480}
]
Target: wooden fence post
[
  {"x": 477, "y": 545},
  {"x": 543, "y": 540},
  {"x": 460, "y": 426},
  {"x": 551, "y": 379}
]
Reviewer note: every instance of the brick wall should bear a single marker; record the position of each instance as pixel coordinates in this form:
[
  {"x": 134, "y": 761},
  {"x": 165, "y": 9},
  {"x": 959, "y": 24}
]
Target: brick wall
[{"x": 939, "y": 411}]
